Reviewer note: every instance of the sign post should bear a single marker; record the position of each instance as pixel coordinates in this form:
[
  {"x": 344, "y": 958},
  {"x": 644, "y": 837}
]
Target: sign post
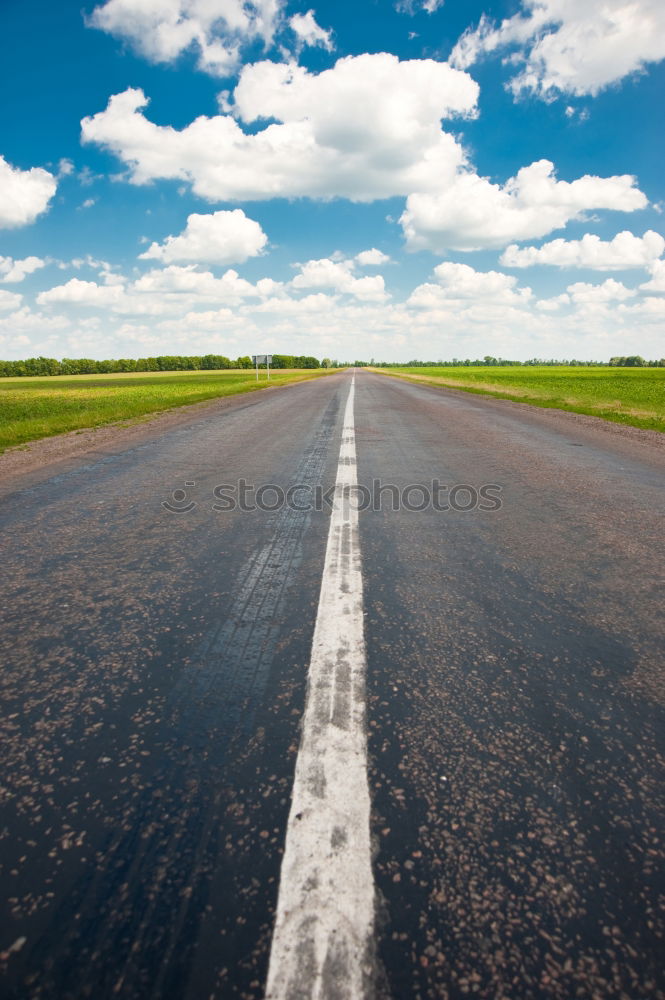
[{"x": 262, "y": 359}]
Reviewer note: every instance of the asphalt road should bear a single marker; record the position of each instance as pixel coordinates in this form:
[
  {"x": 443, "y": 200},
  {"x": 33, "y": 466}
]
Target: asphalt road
[{"x": 154, "y": 675}]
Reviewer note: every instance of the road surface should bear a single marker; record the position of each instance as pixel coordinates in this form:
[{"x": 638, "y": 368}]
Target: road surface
[{"x": 477, "y": 777}]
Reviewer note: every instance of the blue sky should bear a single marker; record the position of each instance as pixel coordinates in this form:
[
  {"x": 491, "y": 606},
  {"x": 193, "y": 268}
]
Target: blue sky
[{"x": 366, "y": 179}]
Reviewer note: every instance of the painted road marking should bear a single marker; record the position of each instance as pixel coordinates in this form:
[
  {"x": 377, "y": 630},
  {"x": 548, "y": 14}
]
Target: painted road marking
[{"x": 324, "y": 929}]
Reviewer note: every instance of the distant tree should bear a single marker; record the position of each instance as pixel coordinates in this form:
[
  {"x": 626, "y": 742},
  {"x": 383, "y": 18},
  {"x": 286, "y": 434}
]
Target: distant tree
[
  {"x": 632, "y": 361},
  {"x": 42, "y": 366},
  {"x": 283, "y": 361},
  {"x": 214, "y": 362}
]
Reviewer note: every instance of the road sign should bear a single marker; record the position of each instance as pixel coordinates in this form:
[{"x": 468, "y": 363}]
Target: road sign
[{"x": 262, "y": 359}]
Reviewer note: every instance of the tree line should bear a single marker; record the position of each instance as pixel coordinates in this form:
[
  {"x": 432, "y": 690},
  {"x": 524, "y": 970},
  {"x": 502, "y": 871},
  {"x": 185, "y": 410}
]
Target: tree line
[
  {"x": 635, "y": 361},
  {"x": 632, "y": 361},
  {"x": 217, "y": 362},
  {"x": 163, "y": 363}
]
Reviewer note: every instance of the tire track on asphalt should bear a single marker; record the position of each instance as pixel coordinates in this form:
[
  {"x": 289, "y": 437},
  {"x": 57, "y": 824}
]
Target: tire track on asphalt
[{"x": 137, "y": 917}]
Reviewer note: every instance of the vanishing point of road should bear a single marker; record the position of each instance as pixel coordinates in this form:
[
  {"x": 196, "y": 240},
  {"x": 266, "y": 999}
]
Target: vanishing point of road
[{"x": 394, "y": 731}]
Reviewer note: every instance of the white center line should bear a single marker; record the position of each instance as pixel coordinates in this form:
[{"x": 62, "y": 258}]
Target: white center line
[{"x": 323, "y": 942}]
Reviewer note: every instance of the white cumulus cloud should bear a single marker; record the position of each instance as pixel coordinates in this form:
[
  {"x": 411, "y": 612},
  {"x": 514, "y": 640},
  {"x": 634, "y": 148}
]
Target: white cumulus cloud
[
  {"x": 81, "y": 293},
  {"x": 647, "y": 310},
  {"x": 308, "y": 32},
  {"x": 177, "y": 282},
  {"x": 218, "y": 238},
  {"x": 318, "y": 304},
  {"x": 412, "y": 6},
  {"x": 13, "y": 271},
  {"x": 609, "y": 291},
  {"x": 368, "y": 128},
  {"x": 162, "y": 291},
  {"x": 162, "y": 30},
  {"x": 471, "y": 213},
  {"x": 461, "y": 282},
  {"x": 571, "y": 47},
  {"x": 338, "y": 275},
  {"x": 657, "y": 281},
  {"x": 371, "y": 258},
  {"x": 24, "y": 194},
  {"x": 621, "y": 253},
  {"x": 9, "y": 300},
  {"x": 553, "y": 304}
]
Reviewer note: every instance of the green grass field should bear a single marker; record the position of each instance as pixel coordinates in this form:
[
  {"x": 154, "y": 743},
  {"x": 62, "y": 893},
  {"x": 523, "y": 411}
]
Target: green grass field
[
  {"x": 625, "y": 395},
  {"x": 32, "y": 408}
]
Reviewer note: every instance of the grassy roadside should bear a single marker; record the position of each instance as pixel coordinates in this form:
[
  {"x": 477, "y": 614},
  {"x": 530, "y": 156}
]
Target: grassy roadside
[
  {"x": 33, "y": 408},
  {"x": 634, "y": 396}
]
